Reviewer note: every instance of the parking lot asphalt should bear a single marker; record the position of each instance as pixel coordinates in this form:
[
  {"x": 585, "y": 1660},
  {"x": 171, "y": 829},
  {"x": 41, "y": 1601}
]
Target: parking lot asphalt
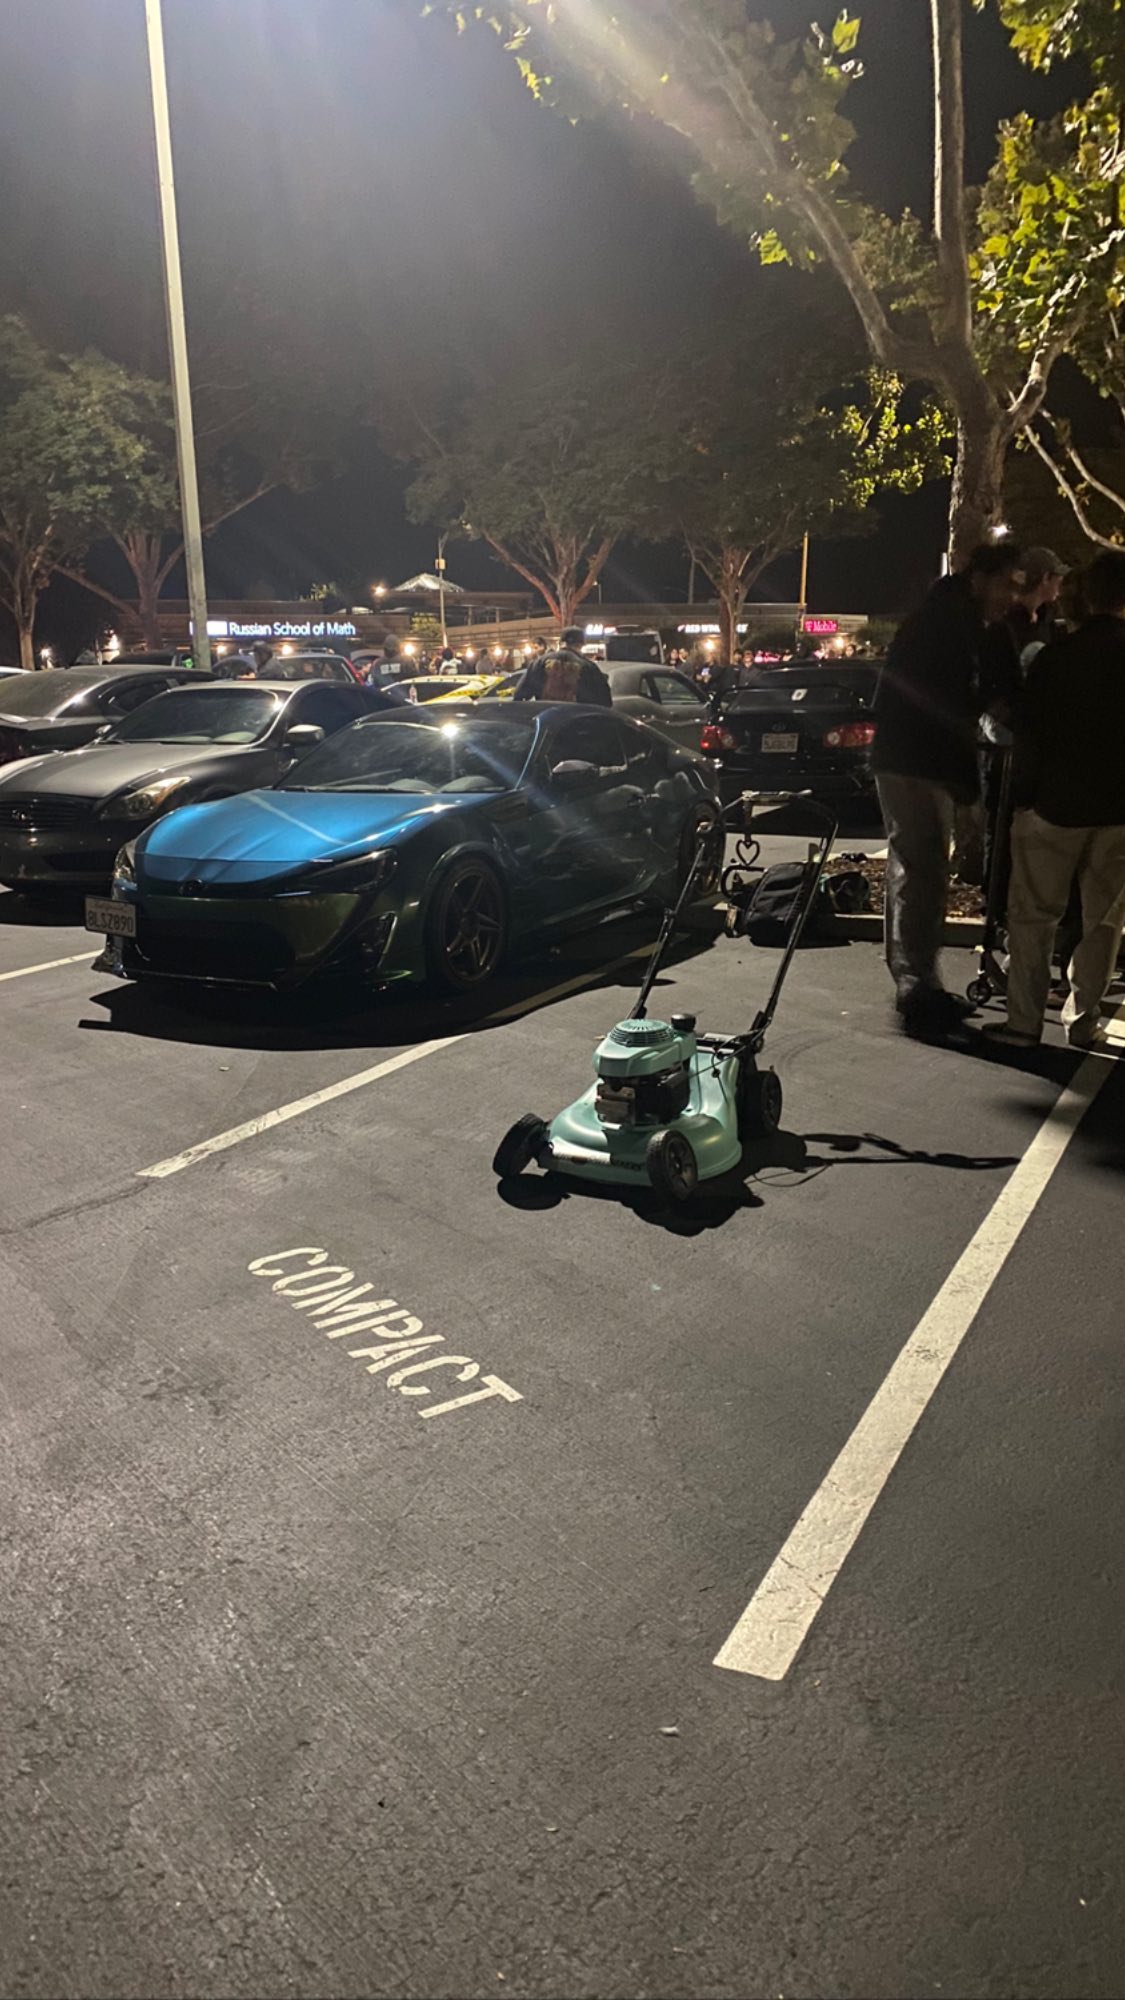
[{"x": 323, "y": 1676}]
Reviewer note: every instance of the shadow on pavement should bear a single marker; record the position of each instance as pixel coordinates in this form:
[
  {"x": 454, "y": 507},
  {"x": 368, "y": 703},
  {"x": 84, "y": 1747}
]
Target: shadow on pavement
[
  {"x": 782, "y": 1161},
  {"x": 326, "y": 1017},
  {"x": 50, "y": 912}
]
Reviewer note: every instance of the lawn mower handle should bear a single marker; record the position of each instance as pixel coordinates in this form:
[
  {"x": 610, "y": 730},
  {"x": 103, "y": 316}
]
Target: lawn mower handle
[{"x": 814, "y": 875}]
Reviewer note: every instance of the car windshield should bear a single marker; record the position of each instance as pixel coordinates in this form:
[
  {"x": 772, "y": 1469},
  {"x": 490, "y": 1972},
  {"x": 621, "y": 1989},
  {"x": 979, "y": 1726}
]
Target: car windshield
[
  {"x": 633, "y": 646},
  {"x": 46, "y": 693},
  {"x": 200, "y": 715},
  {"x": 306, "y": 667},
  {"x": 455, "y": 756}
]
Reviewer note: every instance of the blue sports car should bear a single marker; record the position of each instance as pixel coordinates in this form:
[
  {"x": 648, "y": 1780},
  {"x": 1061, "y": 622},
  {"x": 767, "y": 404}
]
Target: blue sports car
[{"x": 417, "y": 845}]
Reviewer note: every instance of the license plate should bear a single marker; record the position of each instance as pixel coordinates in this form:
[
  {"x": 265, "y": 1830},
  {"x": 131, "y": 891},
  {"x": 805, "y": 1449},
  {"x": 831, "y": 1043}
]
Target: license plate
[
  {"x": 110, "y": 919},
  {"x": 781, "y": 746}
]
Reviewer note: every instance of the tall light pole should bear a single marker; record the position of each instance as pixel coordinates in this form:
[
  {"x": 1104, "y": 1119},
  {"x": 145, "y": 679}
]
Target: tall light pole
[
  {"x": 441, "y": 588},
  {"x": 177, "y": 341},
  {"x": 804, "y": 584}
]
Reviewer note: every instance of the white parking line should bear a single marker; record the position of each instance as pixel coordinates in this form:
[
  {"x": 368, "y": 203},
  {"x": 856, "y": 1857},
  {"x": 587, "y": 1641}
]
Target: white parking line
[
  {"x": 777, "y": 1621},
  {"x": 253, "y": 1127},
  {"x": 48, "y": 965}
]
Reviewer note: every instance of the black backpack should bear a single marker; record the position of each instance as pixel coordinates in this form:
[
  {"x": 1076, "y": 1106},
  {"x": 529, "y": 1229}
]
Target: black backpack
[{"x": 772, "y": 909}]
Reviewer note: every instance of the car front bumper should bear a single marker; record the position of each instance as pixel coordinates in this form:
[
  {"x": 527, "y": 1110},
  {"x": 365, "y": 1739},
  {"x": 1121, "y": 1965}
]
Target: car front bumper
[
  {"x": 77, "y": 856},
  {"x": 274, "y": 944}
]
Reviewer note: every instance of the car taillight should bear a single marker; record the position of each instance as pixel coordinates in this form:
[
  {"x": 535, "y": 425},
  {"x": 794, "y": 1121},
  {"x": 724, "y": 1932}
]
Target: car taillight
[
  {"x": 715, "y": 739},
  {"x": 851, "y": 736}
]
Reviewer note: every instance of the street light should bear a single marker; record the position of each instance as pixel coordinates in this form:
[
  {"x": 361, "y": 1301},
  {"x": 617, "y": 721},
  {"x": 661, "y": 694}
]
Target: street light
[
  {"x": 378, "y": 589},
  {"x": 177, "y": 340}
]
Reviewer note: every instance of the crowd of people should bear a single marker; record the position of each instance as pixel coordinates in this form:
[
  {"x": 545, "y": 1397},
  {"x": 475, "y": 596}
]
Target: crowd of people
[{"x": 989, "y": 660}]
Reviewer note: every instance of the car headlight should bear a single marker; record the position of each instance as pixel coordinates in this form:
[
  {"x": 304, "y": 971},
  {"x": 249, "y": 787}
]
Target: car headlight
[
  {"x": 124, "y": 868},
  {"x": 360, "y": 875},
  {"x": 144, "y": 804}
]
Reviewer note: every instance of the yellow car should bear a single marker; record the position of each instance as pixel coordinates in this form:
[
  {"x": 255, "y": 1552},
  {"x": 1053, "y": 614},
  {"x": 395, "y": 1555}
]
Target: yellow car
[{"x": 499, "y": 687}]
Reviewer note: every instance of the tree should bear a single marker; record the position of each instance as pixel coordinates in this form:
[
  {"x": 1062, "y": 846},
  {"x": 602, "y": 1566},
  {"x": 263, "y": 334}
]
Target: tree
[
  {"x": 765, "y": 132},
  {"x": 262, "y": 421},
  {"x": 550, "y": 471},
  {"x": 766, "y": 455},
  {"x": 70, "y": 458}
]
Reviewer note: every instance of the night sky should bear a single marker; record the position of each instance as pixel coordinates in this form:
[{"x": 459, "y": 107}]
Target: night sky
[{"x": 389, "y": 186}]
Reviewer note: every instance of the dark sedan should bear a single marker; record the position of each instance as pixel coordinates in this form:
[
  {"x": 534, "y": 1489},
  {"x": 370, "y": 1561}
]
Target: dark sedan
[
  {"x": 66, "y": 706},
  {"x": 63, "y": 818},
  {"x": 419, "y": 845},
  {"x": 808, "y": 727},
  {"x": 660, "y": 696}
]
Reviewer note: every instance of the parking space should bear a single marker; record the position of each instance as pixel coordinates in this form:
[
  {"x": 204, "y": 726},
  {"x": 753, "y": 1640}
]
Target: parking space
[{"x": 376, "y": 1652}]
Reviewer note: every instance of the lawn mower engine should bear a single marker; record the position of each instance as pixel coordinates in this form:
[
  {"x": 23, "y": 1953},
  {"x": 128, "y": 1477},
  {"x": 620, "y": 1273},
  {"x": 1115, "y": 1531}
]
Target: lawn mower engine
[{"x": 644, "y": 1071}]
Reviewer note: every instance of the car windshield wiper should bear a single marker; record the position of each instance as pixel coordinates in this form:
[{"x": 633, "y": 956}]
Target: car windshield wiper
[{"x": 415, "y": 787}]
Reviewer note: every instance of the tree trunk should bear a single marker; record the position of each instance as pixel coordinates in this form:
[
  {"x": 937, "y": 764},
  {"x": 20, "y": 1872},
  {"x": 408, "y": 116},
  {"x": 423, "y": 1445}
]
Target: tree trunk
[
  {"x": 26, "y": 627},
  {"x": 978, "y": 478},
  {"x": 144, "y": 555},
  {"x": 732, "y": 587}
]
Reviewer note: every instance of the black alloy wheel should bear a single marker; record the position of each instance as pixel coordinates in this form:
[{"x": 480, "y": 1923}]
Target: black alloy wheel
[
  {"x": 519, "y": 1147},
  {"x": 468, "y": 926},
  {"x": 672, "y": 1167}
]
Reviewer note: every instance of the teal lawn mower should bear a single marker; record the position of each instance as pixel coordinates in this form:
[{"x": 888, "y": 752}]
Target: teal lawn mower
[{"x": 670, "y": 1107}]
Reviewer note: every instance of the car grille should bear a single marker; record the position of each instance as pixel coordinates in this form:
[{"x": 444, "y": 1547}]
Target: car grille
[
  {"x": 42, "y": 813},
  {"x": 249, "y": 954}
]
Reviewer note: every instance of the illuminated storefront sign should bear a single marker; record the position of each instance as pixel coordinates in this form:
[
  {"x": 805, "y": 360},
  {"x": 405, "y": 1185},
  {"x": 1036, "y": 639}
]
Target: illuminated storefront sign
[
  {"x": 822, "y": 628},
  {"x": 281, "y": 628}
]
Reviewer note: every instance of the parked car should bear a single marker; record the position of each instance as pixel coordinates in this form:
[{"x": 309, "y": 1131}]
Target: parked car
[
  {"x": 64, "y": 817},
  {"x": 67, "y": 706},
  {"x": 419, "y": 844},
  {"x": 5, "y": 672},
  {"x": 669, "y": 701},
  {"x": 312, "y": 666},
  {"x": 808, "y": 727},
  {"x": 143, "y": 656}
]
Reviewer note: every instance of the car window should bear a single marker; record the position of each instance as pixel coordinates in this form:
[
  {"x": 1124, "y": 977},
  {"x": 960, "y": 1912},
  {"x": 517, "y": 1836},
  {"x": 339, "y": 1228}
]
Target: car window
[
  {"x": 673, "y": 692},
  {"x": 237, "y": 712},
  {"x": 326, "y": 707},
  {"x": 307, "y": 667},
  {"x": 586, "y": 739},
  {"x": 467, "y": 754},
  {"x": 122, "y": 697}
]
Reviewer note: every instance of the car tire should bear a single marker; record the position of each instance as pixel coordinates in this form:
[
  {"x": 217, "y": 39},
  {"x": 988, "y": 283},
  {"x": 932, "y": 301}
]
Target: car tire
[
  {"x": 467, "y": 926},
  {"x": 710, "y": 877},
  {"x": 519, "y": 1147},
  {"x": 672, "y": 1167}
]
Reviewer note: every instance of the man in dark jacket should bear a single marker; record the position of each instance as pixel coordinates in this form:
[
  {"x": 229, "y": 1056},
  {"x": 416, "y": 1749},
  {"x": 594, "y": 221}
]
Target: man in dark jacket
[
  {"x": 939, "y": 679},
  {"x": 1073, "y": 731},
  {"x": 566, "y": 675}
]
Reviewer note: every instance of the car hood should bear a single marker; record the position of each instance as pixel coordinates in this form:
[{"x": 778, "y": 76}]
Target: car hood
[
  {"x": 261, "y": 835},
  {"x": 100, "y": 769}
]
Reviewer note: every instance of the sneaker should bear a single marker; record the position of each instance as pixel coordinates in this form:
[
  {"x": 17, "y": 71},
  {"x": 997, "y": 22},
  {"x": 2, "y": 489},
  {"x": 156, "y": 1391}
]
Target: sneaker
[
  {"x": 1010, "y": 1038},
  {"x": 929, "y": 1013},
  {"x": 1087, "y": 1038}
]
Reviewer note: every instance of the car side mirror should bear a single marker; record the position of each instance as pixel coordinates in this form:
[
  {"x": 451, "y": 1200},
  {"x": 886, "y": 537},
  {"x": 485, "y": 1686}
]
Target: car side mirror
[
  {"x": 302, "y": 736},
  {"x": 573, "y": 776}
]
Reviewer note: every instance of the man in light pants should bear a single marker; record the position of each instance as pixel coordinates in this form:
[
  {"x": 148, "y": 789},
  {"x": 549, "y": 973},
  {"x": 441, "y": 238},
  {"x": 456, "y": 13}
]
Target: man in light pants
[
  {"x": 942, "y": 673},
  {"x": 1074, "y": 829}
]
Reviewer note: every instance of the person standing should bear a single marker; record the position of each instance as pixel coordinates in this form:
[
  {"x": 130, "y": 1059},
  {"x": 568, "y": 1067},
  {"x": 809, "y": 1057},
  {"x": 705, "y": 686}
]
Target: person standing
[
  {"x": 938, "y": 680},
  {"x": 566, "y": 675},
  {"x": 1073, "y": 832},
  {"x": 1033, "y": 616}
]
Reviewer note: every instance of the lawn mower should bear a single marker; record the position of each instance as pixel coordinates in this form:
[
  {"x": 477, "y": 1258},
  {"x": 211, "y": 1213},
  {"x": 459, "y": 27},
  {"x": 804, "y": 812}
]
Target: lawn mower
[{"x": 670, "y": 1107}]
